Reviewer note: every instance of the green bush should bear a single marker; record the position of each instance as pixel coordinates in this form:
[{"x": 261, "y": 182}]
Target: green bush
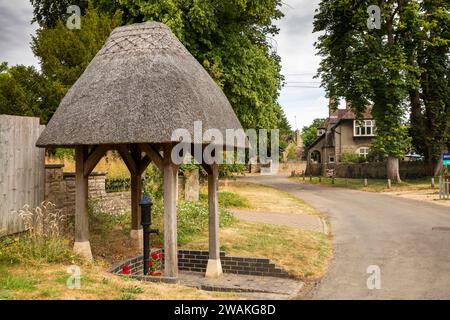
[
  {"x": 117, "y": 184},
  {"x": 375, "y": 156},
  {"x": 62, "y": 153},
  {"x": 349, "y": 157},
  {"x": 192, "y": 219},
  {"x": 228, "y": 200},
  {"x": 103, "y": 223},
  {"x": 228, "y": 170},
  {"x": 28, "y": 249},
  {"x": 153, "y": 182}
]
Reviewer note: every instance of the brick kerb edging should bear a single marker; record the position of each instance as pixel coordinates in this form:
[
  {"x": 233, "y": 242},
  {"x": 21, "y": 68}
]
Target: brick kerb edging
[{"x": 196, "y": 261}]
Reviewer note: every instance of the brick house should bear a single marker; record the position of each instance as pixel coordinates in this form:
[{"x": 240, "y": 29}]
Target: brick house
[{"x": 339, "y": 134}]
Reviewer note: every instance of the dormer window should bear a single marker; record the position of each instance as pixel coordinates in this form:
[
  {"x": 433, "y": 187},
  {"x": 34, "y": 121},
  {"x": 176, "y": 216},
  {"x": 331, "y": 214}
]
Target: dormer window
[
  {"x": 320, "y": 132},
  {"x": 364, "y": 128}
]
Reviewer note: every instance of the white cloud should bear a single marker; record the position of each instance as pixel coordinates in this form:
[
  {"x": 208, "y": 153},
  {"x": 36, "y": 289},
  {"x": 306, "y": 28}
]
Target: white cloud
[
  {"x": 15, "y": 32},
  {"x": 295, "y": 45}
]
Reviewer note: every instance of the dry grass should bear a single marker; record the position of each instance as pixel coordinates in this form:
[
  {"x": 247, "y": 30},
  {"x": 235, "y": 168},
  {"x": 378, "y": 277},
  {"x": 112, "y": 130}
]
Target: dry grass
[
  {"x": 267, "y": 199},
  {"x": 304, "y": 254},
  {"x": 48, "y": 282},
  {"x": 111, "y": 164}
]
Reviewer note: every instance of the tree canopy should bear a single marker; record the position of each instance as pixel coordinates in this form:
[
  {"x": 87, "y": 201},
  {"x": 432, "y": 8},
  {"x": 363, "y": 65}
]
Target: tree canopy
[
  {"x": 370, "y": 66},
  {"x": 429, "y": 46},
  {"x": 309, "y": 133},
  {"x": 231, "y": 39},
  {"x": 25, "y": 91}
]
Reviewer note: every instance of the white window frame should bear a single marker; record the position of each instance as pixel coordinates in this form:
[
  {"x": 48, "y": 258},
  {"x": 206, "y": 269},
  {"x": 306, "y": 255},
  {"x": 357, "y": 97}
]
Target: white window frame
[
  {"x": 329, "y": 159},
  {"x": 359, "y": 129},
  {"x": 320, "y": 132},
  {"x": 365, "y": 154}
]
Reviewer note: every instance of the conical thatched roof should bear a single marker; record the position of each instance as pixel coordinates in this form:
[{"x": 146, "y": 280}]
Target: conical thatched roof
[{"x": 141, "y": 85}]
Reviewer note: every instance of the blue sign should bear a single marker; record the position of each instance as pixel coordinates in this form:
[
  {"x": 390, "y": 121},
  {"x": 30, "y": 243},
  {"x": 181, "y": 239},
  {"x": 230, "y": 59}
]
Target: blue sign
[{"x": 446, "y": 159}]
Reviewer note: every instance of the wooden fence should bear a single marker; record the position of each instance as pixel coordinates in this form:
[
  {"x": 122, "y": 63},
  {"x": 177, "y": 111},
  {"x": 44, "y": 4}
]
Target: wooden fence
[
  {"x": 21, "y": 169},
  {"x": 444, "y": 188}
]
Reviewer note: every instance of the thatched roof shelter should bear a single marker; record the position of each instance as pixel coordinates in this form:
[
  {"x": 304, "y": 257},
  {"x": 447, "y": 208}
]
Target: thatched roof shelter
[{"x": 141, "y": 86}]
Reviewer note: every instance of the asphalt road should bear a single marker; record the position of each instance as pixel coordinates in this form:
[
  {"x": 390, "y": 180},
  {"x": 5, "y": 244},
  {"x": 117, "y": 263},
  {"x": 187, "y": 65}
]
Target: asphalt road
[{"x": 371, "y": 229}]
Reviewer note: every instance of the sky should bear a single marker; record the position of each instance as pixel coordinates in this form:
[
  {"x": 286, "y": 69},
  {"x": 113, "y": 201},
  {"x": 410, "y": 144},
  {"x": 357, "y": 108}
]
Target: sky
[{"x": 294, "y": 44}]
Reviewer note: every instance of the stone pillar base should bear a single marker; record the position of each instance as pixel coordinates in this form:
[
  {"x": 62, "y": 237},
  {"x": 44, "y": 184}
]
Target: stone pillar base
[
  {"x": 138, "y": 236},
  {"x": 214, "y": 269},
  {"x": 83, "y": 249}
]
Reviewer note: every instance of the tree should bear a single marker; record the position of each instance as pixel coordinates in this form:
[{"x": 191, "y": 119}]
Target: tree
[
  {"x": 25, "y": 91},
  {"x": 430, "y": 104},
  {"x": 309, "y": 133},
  {"x": 370, "y": 66},
  {"x": 64, "y": 54},
  {"x": 231, "y": 39},
  {"x": 47, "y": 13}
]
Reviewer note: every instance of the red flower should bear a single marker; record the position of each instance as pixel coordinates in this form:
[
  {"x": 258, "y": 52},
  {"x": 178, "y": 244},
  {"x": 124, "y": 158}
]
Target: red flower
[
  {"x": 154, "y": 256},
  {"x": 161, "y": 256},
  {"x": 126, "y": 270},
  {"x": 151, "y": 264}
]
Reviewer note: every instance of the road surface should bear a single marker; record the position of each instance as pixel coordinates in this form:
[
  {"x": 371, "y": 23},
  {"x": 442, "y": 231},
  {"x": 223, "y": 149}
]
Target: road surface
[{"x": 369, "y": 229}]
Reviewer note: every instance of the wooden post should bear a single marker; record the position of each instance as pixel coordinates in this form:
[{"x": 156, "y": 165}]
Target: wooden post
[
  {"x": 365, "y": 182},
  {"x": 136, "y": 228},
  {"x": 136, "y": 232},
  {"x": 170, "y": 215},
  {"x": 214, "y": 268},
  {"x": 389, "y": 184},
  {"x": 432, "y": 183},
  {"x": 82, "y": 245}
]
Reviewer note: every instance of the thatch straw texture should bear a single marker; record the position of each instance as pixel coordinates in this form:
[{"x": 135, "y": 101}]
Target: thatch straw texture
[{"x": 141, "y": 85}]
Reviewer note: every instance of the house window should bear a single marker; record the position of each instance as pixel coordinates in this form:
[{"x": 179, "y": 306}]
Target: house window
[
  {"x": 363, "y": 152},
  {"x": 331, "y": 159},
  {"x": 320, "y": 132},
  {"x": 364, "y": 128}
]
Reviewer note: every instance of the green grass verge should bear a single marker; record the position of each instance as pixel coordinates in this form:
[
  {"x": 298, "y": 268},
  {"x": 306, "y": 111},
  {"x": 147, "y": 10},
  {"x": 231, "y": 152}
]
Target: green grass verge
[{"x": 373, "y": 185}]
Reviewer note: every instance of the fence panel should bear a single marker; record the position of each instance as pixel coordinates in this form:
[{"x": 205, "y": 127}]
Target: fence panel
[
  {"x": 444, "y": 188},
  {"x": 21, "y": 169}
]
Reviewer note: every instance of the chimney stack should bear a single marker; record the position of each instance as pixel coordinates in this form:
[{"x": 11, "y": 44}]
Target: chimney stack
[{"x": 331, "y": 111}]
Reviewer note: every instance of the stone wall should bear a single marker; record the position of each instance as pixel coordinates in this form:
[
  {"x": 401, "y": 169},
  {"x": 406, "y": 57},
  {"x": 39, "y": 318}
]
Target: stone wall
[
  {"x": 373, "y": 170},
  {"x": 60, "y": 190},
  {"x": 55, "y": 186},
  {"x": 298, "y": 167},
  {"x": 408, "y": 170}
]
